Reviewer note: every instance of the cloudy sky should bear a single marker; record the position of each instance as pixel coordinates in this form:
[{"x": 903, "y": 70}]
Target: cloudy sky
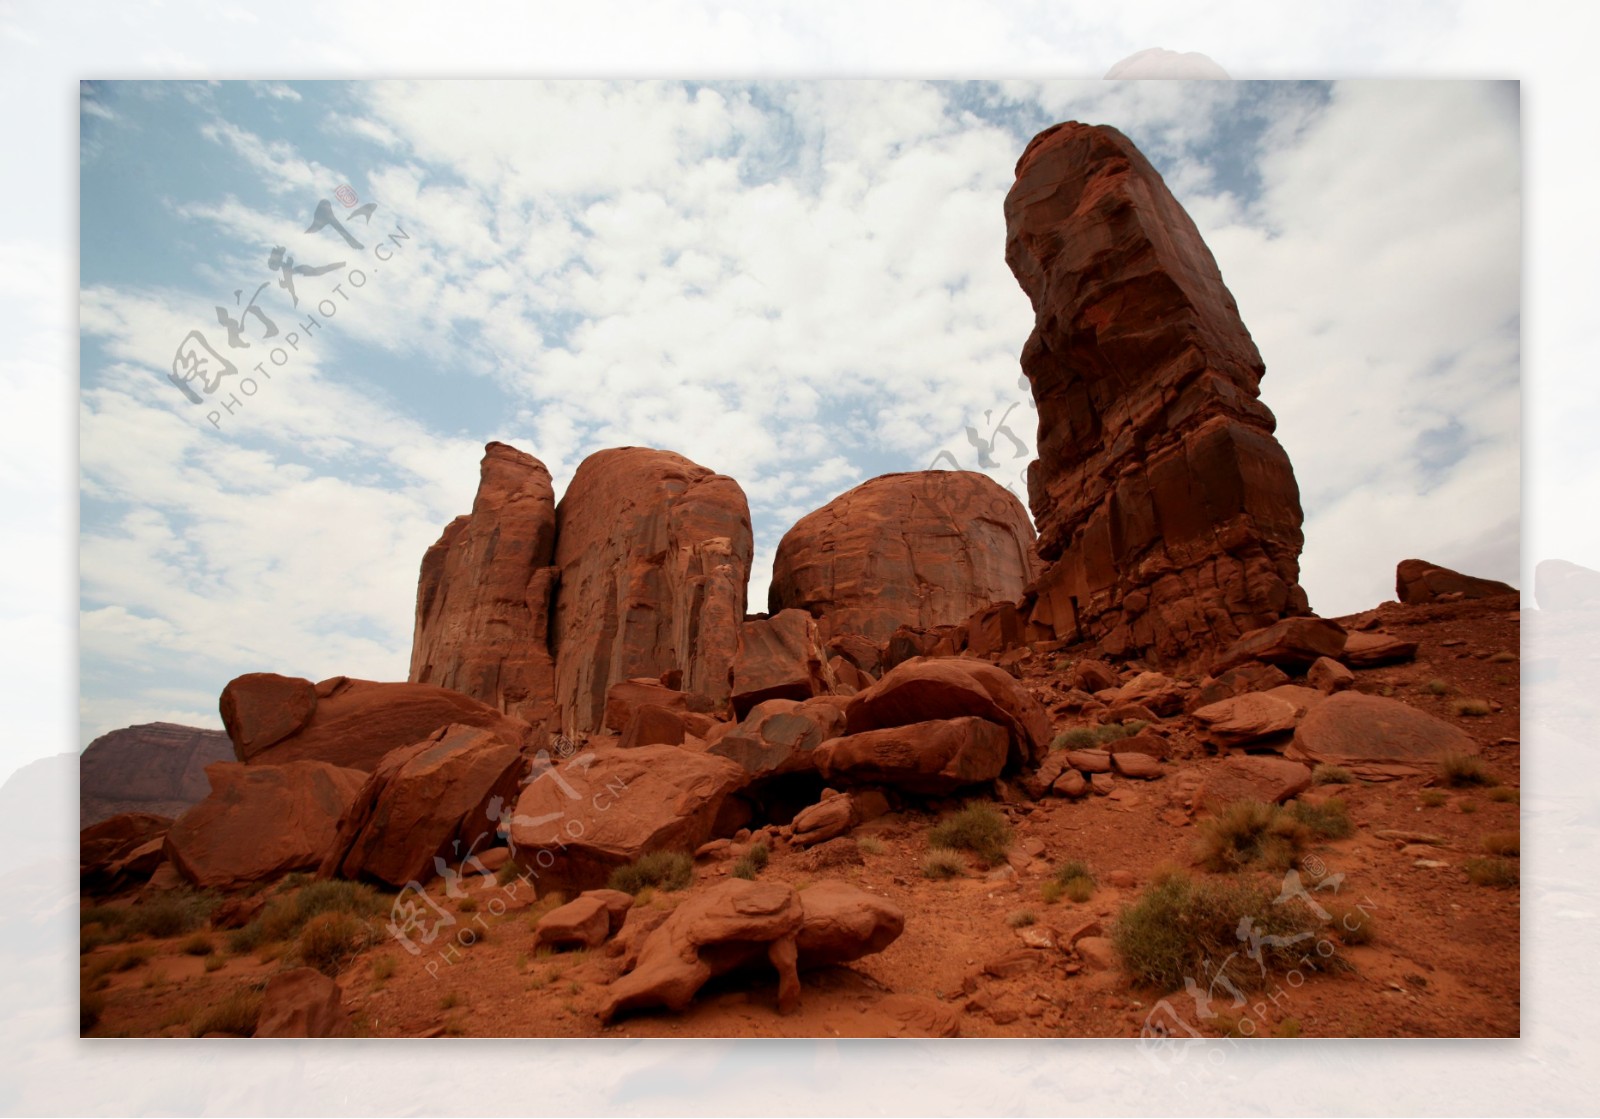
[{"x": 801, "y": 285}]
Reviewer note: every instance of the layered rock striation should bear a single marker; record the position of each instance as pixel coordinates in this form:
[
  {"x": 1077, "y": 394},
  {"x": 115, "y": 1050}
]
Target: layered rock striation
[{"x": 1167, "y": 511}]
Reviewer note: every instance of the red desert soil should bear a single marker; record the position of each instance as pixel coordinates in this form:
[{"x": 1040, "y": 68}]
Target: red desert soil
[{"x": 1444, "y": 960}]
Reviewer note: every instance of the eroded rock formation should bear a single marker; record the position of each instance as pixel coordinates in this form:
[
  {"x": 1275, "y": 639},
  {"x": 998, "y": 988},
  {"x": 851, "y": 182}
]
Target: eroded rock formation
[
  {"x": 353, "y": 723},
  {"x": 1167, "y": 511},
  {"x": 654, "y": 553},
  {"x": 921, "y": 549},
  {"x": 484, "y": 594}
]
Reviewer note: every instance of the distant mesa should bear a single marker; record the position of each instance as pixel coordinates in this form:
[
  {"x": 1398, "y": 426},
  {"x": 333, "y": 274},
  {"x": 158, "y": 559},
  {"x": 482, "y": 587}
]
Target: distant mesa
[{"x": 157, "y": 768}]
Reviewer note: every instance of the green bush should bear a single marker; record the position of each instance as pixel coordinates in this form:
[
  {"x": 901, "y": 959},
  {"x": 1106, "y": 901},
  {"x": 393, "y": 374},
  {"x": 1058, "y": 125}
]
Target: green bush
[
  {"x": 666, "y": 870},
  {"x": 236, "y": 1014},
  {"x": 170, "y": 914},
  {"x": 943, "y": 864},
  {"x": 1093, "y": 738},
  {"x": 1503, "y": 843},
  {"x": 1181, "y": 924},
  {"x": 1073, "y": 879},
  {"x": 1500, "y": 873},
  {"x": 977, "y": 828},
  {"x": 1326, "y": 774},
  {"x": 1328, "y": 820},
  {"x": 1249, "y": 832},
  {"x": 1474, "y": 708},
  {"x": 198, "y": 945},
  {"x": 287, "y": 914},
  {"x": 1461, "y": 770},
  {"x": 1022, "y": 918},
  {"x": 332, "y": 939}
]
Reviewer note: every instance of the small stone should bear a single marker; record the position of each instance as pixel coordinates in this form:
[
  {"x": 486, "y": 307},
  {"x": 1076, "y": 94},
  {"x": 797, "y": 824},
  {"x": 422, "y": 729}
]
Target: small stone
[{"x": 1097, "y": 953}]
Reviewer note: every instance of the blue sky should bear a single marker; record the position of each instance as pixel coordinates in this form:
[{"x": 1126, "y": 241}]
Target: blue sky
[{"x": 800, "y": 284}]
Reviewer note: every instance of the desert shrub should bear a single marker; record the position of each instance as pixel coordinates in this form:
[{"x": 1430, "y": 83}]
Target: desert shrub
[
  {"x": 1437, "y": 687},
  {"x": 1500, "y": 873},
  {"x": 1461, "y": 770},
  {"x": 170, "y": 914},
  {"x": 198, "y": 945},
  {"x": 1353, "y": 925},
  {"x": 332, "y": 939},
  {"x": 236, "y": 1014},
  {"x": 91, "y": 1004},
  {"x": 509, "y": 870},
  {"x": 1326, "y": 774},
  {"x": 1090, "y": 738},
  {"x": 1472, "y": 707},
  {"x": 1079, "y": 890},
  {"x": 1180, "y": 924},
  {"x": 1051, "y": 892},
  {"x": 215, "y": 962},
  {"x": 467, "y": 905},
  {"x": 383, "y": 967},
  {"x": 869, "y": 845},
  {"x": 1431, "y": 798},
  {"x": 1503, "y": 843},
  {"x": 759, "y": 855},
  {"x": 286, "y": 915},
  {"x": 1505, "y": 794},
  {"x": 130, "y": 958},
  {"x": 977, "y": 828},
  {"x": 1022, "y": 918},
  {"x": 1074, "y": 880},
  {"x": 450, "y": 1001},
  {"x": 745, "y": 868},
  {"x": 1249, "y": 832},
  {"x": 943, "y": 864},
  {"x": 666, "y": 870},
  {"x": 1467, "y": 808},
  {"x": 1328, "y": 820}
]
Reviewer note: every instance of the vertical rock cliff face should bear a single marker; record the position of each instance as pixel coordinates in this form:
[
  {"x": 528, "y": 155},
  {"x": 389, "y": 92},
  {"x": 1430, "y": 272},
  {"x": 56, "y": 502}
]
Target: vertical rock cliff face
[
  {"x": 654, "y": 553},
  {"x": 921, "y": 549},
  {"x": 1166, "y": 510},
  {"x": 484, "y": 594}
]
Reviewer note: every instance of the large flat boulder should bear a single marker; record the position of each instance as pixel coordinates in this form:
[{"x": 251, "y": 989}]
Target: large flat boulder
[
  {"x": 1417, "y": 582},
  {"x": 927, "y": 688},
  {"x": 578, "y": 821},
  {"x": 1250, "y": 777},
  {"x": 484, "y": 592},
  {"x": 654, "y": 552},
  {"x": 1371, "y": 649},
  {"x": 438, "y": 799},
  {"x": 933, "y": 757},
  {"x": 1294, "y": 643},
  {"x": 1249, "y": 718},
  {"x": 1353, "y": 728},
  {"x": 261, "y": 821},
  {"x": 348, "y": 723},
  {"x": 920, "y": 549}
]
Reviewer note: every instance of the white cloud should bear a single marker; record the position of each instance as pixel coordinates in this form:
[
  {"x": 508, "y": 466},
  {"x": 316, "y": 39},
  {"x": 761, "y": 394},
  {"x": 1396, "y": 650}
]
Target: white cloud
[{"x": 798, "y": 287}]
